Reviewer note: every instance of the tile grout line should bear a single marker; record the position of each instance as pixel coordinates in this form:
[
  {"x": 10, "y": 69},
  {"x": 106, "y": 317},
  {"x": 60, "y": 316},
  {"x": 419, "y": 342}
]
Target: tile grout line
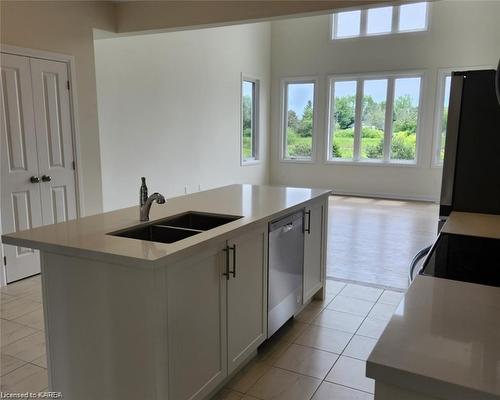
[{"x": 341, "y": 354}]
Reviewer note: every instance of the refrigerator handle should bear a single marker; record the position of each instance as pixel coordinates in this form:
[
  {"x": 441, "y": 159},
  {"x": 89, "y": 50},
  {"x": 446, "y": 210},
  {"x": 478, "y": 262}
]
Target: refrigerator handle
[{"x": 497, "y": 82}]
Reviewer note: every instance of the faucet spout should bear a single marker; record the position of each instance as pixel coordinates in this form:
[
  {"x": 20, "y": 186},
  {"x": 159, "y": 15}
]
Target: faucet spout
[{"x": 144, "y": 210}]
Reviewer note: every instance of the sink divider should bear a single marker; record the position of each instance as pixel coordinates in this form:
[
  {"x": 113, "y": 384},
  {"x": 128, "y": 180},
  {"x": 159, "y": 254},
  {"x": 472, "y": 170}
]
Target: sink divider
[{"x": 180, "y": 228}]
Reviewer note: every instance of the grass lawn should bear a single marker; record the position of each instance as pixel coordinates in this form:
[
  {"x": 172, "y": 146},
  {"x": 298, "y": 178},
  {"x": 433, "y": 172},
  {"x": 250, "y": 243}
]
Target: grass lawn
[
  {"x": 293, "y": 139},
  {"x": 247, "y": 146}
]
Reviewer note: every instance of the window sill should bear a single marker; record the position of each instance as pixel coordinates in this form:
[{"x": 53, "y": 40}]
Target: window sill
[
  {"x": 379, "y": 35},
  {"x": 245, "y": 163},
  {"x": 365, "y": 163},
  {"x": 297, "y": 160}
]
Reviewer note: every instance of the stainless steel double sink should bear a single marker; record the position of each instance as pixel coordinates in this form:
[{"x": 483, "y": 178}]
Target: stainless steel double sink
[{"x": 178, "y": 227}]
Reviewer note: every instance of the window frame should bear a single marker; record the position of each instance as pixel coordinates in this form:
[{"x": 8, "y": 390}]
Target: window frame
[
  {"x": 363, "y": 27},
  {"x": 438, "y": 109},
  {"x": 386, "y": 160},
  {"x": 440, "y": 87},
  {"x": 255, "y": 120},
  {"x": 284, "y": 120}
]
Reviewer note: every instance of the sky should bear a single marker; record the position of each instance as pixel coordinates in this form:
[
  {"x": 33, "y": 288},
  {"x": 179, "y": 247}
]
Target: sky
[
  {"x": 298, "y": 96},
  {"x": 247, "y": 88}
]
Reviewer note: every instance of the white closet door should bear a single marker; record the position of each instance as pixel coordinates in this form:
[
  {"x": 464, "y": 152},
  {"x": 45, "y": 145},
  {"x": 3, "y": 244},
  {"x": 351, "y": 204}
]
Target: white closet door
[
  {"x": 54, "y": 140},
  {"x": 20, "y": 198}
]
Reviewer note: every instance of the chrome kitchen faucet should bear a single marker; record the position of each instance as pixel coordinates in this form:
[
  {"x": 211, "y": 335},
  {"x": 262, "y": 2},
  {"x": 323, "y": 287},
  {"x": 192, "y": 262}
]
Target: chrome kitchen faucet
[{"x": 144, "y": 210}]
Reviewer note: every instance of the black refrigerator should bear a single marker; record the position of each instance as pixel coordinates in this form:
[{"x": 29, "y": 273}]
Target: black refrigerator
[{"x": 471, "y": 167}]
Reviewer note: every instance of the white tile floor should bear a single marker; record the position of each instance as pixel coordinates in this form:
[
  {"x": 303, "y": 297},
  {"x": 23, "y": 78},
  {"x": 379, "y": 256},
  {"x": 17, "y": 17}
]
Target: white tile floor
[
  {"x": 320, "y": 355},
  {"x": 22, "y": 351}
]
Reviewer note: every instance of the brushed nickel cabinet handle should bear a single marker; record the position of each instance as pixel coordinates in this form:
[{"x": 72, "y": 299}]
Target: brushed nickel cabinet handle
[
  {"x": 233, "y": 248},
  {"x": 226, "y": 274}
]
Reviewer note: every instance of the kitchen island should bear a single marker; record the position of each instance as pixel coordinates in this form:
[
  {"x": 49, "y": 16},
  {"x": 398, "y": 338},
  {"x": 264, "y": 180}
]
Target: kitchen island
[
  {"x": 443, "y": 342},
  {"x": 129, "y": 318}
]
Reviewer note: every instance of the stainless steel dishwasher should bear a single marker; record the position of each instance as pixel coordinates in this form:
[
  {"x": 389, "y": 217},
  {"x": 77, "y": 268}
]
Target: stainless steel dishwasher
[{"x": 286, "y": 269}]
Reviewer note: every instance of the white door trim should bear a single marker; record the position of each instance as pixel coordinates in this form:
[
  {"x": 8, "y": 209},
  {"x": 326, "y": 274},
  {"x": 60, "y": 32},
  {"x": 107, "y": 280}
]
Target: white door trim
[{"x": 70, "y": 62}]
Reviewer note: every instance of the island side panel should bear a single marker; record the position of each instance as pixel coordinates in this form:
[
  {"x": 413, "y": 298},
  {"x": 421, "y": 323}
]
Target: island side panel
[
  {"x": 385, "y": 391},
  {"x": 103, "y": 325},
  {"x": 320, "y": 295}
]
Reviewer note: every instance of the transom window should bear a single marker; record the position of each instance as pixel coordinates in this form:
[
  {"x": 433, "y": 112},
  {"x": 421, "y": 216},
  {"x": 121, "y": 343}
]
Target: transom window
[
  {"x": 249, "y": 120},
  {"x": 298, "y": 119},
  {"x": 374, "y": 118},
  {"x": 411, "y": 17}
]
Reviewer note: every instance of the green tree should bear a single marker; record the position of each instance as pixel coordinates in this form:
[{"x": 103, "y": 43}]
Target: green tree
[
  {"x": 375, "y": 151},
  {"x": 373, "y": 113},
  {"x": 344, "y": 111},
  {"x": 403, "y": 146},
  {"x": 247, "y": 112},
  {"x": 405, "y": 115},
  {"x": 336, "y": 153},
  {"x": 293, "y": 121},
  {"x": 306, "y": 123}
]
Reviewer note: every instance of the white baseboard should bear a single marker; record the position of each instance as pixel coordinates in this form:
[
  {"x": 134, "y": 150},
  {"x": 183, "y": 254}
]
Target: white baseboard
[{"x": 391, "y": 196}]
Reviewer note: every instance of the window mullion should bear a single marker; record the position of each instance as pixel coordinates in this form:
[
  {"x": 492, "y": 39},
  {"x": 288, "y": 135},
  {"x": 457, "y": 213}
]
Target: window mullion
[
  {"x": 389, "y": 108},
  {"x": 357, "y": 122},
  {"x": 363, "y": 22},
  {"x": 395, "y": 19},
  {"x": 331, "y": 119},
  {"x": 284, "y": 138}
]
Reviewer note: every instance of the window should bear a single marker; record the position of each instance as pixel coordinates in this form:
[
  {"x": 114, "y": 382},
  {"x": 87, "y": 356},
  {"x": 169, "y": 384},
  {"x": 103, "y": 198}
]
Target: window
[
  {"x": 411, "y": 17},
  {"x": 298, "y": 121},
  {"x": 442, "y": 115},
  {"x": 343, "y": 118},
  {"x": 374, "y": 118},
  {"x": 249, "y": 120},
  {"x": 348, "y": 24},
  {"x": 405, "y": 118},
  {"x": 379, "y": 21}
]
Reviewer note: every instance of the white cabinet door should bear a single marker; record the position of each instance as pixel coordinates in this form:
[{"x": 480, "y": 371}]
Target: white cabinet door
[
  {"x": 20, "y": 198},
  {"x": 246, "y": 295},
  {"x": 313, "y": 249},
  {"x": 196, "y": 314},
  {"x": 54, "y": 140}
]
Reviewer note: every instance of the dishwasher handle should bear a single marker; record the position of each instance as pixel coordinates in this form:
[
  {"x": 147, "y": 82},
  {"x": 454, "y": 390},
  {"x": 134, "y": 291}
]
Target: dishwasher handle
[
  {"x": 287, "y": 227},
  {"x": 290, "y": 221},
  {"x": 308, "y": 229}
]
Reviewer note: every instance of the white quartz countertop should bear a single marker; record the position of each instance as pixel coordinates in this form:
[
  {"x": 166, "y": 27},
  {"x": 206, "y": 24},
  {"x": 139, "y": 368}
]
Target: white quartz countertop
[
  {"x": 473, "y": 224},
  {"x": 89, "y": 236},
  {"x": 444, "y": 339}
]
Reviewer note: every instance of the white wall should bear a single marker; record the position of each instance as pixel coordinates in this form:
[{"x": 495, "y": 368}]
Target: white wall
[
  {"x": 462, "y": 33},
  {"x": 66, "y": 27},
  {"x": 169, "y": 109}
]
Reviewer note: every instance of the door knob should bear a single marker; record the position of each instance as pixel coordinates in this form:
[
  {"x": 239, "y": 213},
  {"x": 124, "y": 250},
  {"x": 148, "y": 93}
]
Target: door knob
[
  {"x": 35, "y": 179},
  {"x": 46, "y": 178}
]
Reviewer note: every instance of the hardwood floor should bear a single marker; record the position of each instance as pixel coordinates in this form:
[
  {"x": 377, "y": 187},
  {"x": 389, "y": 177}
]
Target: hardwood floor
[{"x": 373, "y": 241}]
